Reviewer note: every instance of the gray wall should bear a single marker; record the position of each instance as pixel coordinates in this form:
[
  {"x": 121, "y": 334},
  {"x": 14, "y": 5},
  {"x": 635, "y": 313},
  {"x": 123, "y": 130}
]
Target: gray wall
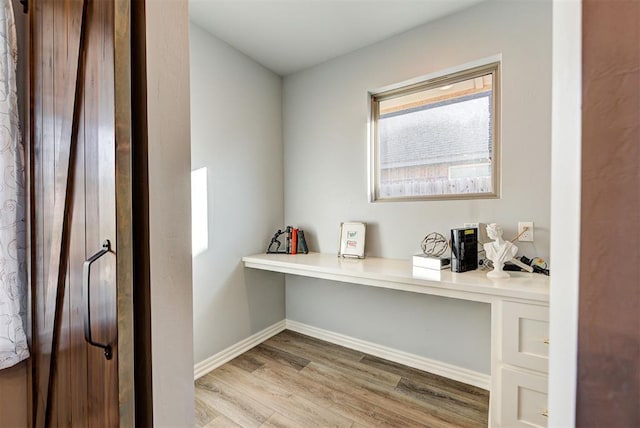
[
  {"x": 236, "y": 130},
  {"x": 169, "y": 212},
  {"x": 325, "y": 110},
  {"x": 417, "y": 325}
]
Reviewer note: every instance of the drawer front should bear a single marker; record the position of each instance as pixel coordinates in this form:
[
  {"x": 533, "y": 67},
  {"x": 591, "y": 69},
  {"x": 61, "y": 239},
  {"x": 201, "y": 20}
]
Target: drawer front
[
  {"x": 524, "y": 399},
  {"x": 525, "y": 340}
]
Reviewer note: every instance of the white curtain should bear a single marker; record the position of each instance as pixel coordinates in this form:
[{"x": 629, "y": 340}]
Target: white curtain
[{"x": 13, "y": 284}]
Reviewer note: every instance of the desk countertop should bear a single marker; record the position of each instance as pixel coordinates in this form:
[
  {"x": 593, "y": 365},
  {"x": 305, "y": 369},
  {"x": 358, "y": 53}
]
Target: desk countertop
[{"x": 399, "y": 275}]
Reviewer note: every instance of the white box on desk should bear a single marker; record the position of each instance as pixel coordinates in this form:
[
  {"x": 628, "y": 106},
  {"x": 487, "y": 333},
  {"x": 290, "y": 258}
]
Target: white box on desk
[
  {"x": 426, "y": 273},
  {"x": 431, "y": 262}
]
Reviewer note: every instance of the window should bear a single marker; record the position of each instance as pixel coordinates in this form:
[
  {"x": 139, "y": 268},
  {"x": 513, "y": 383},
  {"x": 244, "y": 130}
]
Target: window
[{"x": 438, "y": 138}]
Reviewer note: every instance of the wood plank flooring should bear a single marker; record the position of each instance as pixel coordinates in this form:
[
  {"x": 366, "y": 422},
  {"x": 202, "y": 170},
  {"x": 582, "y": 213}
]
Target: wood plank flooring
[{"x": 293, "y": 380}]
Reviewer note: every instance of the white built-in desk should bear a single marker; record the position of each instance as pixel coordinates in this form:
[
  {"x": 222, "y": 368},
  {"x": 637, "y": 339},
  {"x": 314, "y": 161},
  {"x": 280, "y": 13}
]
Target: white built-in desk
[
  {"x": 519, "y": 319},
  {"x": 398, "y": 275}
]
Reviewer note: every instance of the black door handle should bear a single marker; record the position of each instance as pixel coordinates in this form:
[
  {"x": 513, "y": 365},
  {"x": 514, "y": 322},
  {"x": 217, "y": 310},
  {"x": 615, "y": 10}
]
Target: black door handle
[{"x": 86, "y": 289}]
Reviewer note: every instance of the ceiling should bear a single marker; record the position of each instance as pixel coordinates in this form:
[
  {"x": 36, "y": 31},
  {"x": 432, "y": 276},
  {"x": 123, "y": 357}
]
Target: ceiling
[{"x": 290, "y": 35}]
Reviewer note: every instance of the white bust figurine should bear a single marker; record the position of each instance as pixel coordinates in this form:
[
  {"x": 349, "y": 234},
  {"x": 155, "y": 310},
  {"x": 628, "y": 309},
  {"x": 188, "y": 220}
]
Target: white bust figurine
[{"x": 498, "y": 251}]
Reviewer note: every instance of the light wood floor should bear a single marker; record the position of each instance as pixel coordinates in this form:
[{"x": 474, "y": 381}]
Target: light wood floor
[{"x": 293, "y": 380}]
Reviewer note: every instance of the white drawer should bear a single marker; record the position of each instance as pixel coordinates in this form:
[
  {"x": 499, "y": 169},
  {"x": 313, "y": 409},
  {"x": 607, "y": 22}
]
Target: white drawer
[
  {"x": 524, "y": 399},
  {"x": 525, "y": 339}
]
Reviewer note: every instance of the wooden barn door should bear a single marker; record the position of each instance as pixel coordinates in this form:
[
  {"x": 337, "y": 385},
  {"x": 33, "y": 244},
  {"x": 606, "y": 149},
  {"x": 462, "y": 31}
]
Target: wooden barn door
[{"x": 80, "y": 181}]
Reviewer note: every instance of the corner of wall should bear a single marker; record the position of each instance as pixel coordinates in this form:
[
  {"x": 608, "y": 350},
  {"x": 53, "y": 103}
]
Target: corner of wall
[{"x": 239, "y": 139}]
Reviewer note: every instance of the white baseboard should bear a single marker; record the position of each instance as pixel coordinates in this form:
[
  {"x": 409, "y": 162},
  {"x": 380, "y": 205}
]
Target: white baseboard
[
  {"x": 202, "y": 368},
  {"x": 450, "y": 371}
]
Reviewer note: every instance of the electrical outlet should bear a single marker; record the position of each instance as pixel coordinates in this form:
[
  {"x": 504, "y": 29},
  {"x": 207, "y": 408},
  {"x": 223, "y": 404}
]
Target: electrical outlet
[{"x": 525, "y": 230}]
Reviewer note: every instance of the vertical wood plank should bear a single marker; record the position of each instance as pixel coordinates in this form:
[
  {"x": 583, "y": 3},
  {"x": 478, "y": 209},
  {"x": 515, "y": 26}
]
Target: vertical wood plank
[
  {"x": 123, "y": 207},
  {"x": 140, "y": 217},
  {"x": 100, "y": 209},
  {"x": 91, "y": 239},
  {"x": 42, "y": 78},
  {"x": 77, "y": 254},
  {"x": 68, "y": 55}
]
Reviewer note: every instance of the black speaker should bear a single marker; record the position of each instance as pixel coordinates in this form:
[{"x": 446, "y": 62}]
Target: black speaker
[{"x": 464, "y": 249}]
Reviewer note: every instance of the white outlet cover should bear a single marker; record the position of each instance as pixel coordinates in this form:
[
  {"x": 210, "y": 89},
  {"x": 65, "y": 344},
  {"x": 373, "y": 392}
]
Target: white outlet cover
[{"x": 528, "y": 235}]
